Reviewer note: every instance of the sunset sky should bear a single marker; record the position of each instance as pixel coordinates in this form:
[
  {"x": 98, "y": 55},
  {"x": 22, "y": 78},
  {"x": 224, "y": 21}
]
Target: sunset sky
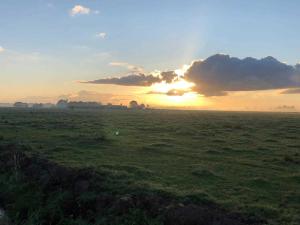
[{"x": 204, "y": 54}]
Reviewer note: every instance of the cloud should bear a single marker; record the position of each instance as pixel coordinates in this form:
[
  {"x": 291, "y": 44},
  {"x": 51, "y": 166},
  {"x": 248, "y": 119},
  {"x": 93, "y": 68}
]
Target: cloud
[
  {"x": 291, "y": 91},
  {"x": 101, "y": 35},
  {"x": 79, "y": 9},
  {"x": 132, "y": 68},
  {"x": 172, "y": 92},
  {"x": 137, "y": 78},
  {"x": 129, "y": 80},
  {"x": 1, "y": 49},
  {"x": 168, "y": 76},
  {"x": 220, "y": 74}
]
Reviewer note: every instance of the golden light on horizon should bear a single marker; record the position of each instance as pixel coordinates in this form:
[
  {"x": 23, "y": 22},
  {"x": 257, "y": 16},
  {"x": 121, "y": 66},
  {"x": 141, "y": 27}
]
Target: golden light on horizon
[
  {"x": 177, "y": 93},
  {"x": 180, "y": 85},
  {"x": 190, "y": 99}
]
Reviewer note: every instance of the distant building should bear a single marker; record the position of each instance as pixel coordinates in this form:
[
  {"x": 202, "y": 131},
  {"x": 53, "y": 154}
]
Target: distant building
[{"x": 21, "y": 105}]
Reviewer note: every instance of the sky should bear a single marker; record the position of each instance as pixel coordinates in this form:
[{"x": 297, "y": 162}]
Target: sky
[{"x": 51, "y": 49}]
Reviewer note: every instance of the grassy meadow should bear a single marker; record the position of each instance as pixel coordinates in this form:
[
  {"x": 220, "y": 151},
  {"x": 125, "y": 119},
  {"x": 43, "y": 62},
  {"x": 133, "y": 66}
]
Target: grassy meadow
[{"x": 245, "y": 162}]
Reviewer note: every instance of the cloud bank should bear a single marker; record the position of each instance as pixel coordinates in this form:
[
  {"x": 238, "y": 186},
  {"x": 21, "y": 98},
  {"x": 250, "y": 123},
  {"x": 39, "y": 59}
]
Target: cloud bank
[
  {"x": 130, "y": 80},
  {"x": 137, "y": 78},
  {"x": 220, "y": 74}
]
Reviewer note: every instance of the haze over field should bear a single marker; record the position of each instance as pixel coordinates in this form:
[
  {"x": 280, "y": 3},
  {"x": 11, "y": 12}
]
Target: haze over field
[{"x": 170, "y": 54}]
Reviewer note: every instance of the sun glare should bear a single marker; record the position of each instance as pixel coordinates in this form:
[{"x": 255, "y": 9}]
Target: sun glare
[
  {"x": 181, "y": 72},
  {"x": 190, "y": 99},
  {"x": 178, "y": 93},
  {"x": 181, "y": 85}
]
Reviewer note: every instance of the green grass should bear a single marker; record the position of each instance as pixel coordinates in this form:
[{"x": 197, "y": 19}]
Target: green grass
[{"x": 248, "y": 162}]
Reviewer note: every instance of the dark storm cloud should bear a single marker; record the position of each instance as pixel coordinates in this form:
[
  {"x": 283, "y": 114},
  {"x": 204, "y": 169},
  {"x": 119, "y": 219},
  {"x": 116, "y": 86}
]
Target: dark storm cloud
[
  {"x": 219, "y": 74},
  {"x": 129, "y": 80}
]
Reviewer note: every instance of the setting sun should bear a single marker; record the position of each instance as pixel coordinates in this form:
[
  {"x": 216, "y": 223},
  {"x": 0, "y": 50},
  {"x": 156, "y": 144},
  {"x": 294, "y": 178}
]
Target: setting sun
[
  {"x": 180, "y": 85},
  {"x": 178, "y": 93},
  {"x": 191, "y": 99}
]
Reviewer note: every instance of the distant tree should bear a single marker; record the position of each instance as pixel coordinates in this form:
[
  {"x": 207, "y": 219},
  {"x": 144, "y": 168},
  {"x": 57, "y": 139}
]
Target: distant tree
[
  {"x": 62, "y": 103},
  {"x": 133, "y": 104}
]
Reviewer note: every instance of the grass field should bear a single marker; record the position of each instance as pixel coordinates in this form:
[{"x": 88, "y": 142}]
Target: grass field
[{"x": 246, "y": 162}]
